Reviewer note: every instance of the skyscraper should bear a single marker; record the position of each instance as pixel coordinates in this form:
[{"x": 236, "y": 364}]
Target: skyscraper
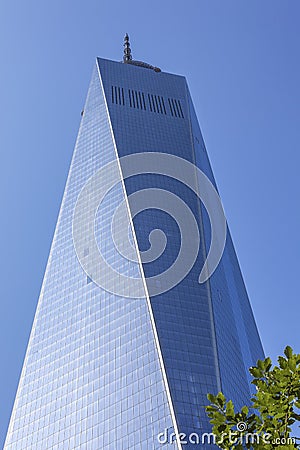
[{"x": 128, "y": 339}]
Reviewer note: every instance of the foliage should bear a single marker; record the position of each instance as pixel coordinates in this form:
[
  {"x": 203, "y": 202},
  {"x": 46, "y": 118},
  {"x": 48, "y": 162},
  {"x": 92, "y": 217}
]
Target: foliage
[{"x": 267, "y": 423}]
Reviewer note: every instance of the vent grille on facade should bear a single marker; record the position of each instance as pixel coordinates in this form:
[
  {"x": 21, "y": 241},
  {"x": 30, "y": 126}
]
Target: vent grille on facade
[
  {"x": 117, "y": 95},
  {"x": 157, "y": 104},
  {"x": 175, "y": 108},
  {"x": 136, "y": 99},
  {"x": 147, "y": 102}
]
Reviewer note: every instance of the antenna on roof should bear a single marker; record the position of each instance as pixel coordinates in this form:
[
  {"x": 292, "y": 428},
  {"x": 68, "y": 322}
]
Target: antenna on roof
[
  {"x": 127, "y": 50},
  {"x": 127, "y": 58}
]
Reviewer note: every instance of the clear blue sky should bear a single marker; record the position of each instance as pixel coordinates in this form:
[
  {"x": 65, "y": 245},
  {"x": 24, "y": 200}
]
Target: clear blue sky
[{"x": 242, "y": 63}]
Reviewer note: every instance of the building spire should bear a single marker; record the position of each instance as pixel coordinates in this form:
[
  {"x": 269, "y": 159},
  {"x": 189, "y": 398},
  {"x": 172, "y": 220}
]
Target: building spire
[
  {"x": 127, "y": 58},
  {"x": 127, "y": 50}
]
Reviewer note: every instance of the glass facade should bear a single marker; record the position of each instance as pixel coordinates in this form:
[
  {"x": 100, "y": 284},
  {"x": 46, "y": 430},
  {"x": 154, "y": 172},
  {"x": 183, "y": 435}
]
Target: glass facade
[{"x": 105, "y": 371}]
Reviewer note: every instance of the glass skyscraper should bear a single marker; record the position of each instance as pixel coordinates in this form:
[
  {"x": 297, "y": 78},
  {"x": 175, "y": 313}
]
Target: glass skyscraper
[{"x": 123, "y": 351}]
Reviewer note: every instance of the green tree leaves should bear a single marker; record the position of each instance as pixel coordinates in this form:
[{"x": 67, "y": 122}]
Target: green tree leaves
[{"x": 274, "y": 409}]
